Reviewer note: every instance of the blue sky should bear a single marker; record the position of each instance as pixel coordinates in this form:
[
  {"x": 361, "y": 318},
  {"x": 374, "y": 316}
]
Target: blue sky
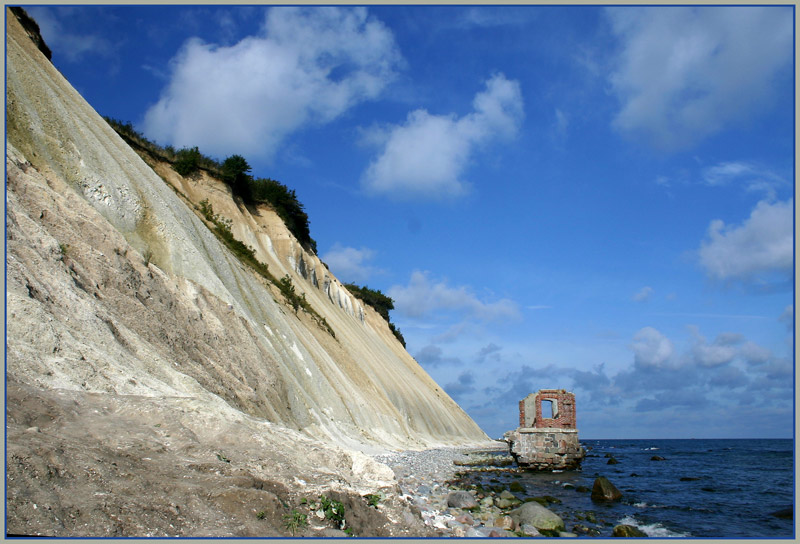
[{"x": 579, "y": 197}]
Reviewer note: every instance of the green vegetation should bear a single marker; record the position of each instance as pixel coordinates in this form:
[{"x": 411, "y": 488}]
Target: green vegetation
[
  {"x": 247, "y": 255},
  {"x": 380, "y": 302},
  {"x": 373, "y": 499},
  {"x": 187, "y": 160},
  {"x": 295, "y": 520},
  {"x": 234, "y": 171}
]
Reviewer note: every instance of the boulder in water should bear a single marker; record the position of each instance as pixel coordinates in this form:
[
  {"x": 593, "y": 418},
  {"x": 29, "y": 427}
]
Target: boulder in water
[
  {"x": 628, "y": 531},
  {"x": 784, "y": 513},
  {"x": 657, "y": 458},
  {"x": 612, "y": 461},
  {"x": 603, "y": 490}
]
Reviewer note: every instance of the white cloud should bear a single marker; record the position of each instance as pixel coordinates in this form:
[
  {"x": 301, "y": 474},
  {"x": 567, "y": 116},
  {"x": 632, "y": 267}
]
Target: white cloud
[
  {"x": 751, "y": 176},
  {"x": 763, "y": 244},
  {"x": 643, "y": 294},
  {"x": 651, "y": 349},
  {"x": 684, "y": 73},
  {"x": 424, "y": 297},
  {"x": 307, "y": 65},
  {"x": 349, "y": 263},
  {"x": 718, "y": 353},
  {"x": 426, "y": 156}
]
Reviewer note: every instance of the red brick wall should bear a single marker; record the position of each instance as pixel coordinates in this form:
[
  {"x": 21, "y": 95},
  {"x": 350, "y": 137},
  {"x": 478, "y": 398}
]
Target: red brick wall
[
  {"x": 565, "y": 418},
  {"x": 565, "y": 407}
]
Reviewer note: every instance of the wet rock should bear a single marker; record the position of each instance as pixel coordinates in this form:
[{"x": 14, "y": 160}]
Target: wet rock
[
  {"x": 657, "y": 458},
  {"x": 603, "y": 490},
  {"x": 582, "y": 489},
  {"x": 516, "y": 487},
  {"x": 533, "y": 513},
  {"x": 784, "y": 513},
  {"x": 628, "y": 531},
  {"x": 612, "y": 461},
  {"x": 461, "y": 499},
  {"x": 530, "y": 530}
]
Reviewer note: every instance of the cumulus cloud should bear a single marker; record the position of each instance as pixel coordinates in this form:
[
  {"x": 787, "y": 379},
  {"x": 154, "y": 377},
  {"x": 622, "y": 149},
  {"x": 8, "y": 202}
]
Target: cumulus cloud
[
  {"x": 651, "y": 348},
  {"x": 307, "y": 65},
  {"x": 684, "y": 73},
  {"x": 718, "y": 353},
  {"x": 427, "y": 155},
  {"x": 643, "y": 294},
  {"x": 761, "y": 246},
  {"x": 424, "y": 296},
  {"x": 349, "y": 263}
]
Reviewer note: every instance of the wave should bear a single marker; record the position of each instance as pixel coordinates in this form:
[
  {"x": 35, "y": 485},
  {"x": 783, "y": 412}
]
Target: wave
[{"x": 654, "y": 529}]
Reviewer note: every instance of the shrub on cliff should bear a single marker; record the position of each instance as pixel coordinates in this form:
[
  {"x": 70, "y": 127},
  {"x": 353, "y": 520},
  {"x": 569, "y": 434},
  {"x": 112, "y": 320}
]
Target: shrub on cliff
[
  {"x": 379, "y": 302},
  {"x": 187, "y": 161}
]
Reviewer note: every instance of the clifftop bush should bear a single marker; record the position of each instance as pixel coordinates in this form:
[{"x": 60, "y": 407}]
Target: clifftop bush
[
  {"x": 379, "y": 302},
  {"x": 234, "y": 171}
]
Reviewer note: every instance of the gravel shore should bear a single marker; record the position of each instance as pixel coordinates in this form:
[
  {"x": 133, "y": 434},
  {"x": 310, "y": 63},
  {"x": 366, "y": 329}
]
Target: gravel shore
[{"x": 423, "y": 476}]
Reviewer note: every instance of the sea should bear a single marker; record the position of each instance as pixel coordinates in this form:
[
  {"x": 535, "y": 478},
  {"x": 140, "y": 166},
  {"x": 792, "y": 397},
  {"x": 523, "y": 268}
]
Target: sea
[{"x": 703, "y": 488}]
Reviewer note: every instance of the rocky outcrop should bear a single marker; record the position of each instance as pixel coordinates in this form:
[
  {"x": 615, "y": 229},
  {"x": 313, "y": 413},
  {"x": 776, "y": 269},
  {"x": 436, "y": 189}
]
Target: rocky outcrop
[
  {"x": 604, "y": 490},
  {"x": 125, "y": 313}
]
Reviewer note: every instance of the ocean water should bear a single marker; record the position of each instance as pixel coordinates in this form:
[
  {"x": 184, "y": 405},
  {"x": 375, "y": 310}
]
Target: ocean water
[{"x": 729, "y": 487}]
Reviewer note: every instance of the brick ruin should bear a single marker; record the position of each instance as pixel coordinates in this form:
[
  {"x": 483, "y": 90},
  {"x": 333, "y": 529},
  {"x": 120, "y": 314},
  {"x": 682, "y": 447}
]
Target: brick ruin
[
  {"x": 561, "y": 410},
  {"x": 547, "y": 437}
]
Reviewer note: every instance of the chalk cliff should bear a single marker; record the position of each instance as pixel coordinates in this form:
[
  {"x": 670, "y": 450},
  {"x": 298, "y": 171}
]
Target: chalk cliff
[{"x": 133, "y": 329}]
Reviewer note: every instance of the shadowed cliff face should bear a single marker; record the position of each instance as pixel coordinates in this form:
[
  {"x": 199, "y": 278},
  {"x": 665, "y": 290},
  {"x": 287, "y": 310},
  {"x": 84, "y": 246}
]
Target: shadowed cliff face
[{"x": 117, "y": 289}]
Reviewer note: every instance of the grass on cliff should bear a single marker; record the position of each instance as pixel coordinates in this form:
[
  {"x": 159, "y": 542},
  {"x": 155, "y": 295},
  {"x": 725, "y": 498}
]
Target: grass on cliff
[{"x": 246, "y": 254}]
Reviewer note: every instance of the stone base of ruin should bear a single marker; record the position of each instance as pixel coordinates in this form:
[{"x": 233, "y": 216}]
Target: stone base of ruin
[{"x": 545, "y": 449}]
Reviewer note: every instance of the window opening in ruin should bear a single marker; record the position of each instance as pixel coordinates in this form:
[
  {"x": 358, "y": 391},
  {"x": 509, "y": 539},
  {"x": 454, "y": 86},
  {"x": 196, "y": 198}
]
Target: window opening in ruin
[{"x": 548, "y": 409}]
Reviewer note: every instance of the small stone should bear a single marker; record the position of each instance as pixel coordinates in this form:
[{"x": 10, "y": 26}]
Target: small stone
[
  {"x": 657, "y": 458},
  {"x": 582, "y": 489},
  {"x": 461, "y": 499},
  {"x": 565, "y": 534},
  {"x": 459, "y": 532},
  {"x": 33, "y": 430},
  {"x": 499, "y": 533},
  {"x": 530, "y": 530},
  {"x": 516, "y": 487},
  {"x": 612, "y": 461},
  {"x": 466, "y": 519},
  {"x": 507, "y": 495},
  {"x": 504, "y": 522}
]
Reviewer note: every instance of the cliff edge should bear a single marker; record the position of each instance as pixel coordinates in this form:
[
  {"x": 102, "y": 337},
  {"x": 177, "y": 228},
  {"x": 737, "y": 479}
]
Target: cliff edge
[{"x": 156, "y": 384}]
